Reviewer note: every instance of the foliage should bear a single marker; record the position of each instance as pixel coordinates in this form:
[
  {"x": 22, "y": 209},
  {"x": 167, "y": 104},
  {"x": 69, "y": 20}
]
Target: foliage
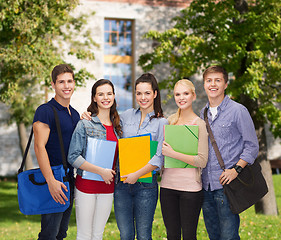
[
  {"x": 14, "y": 225},
  {"x": 35, "y": 36},
  {"x": 245, "y": 39}
]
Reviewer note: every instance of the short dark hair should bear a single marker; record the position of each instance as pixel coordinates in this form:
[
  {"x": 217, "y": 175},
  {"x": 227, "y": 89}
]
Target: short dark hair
[
  {"x": 149, "y": 78},
  {"x": 59, "y": 69},
  {"x": 216, "y": 69}
]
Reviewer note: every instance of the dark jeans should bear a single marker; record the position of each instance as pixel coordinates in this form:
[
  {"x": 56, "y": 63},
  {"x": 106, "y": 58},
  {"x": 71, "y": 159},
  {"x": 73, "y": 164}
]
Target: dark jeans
[
  {"x": 54, "y": 225},
  {"x": 134, "y": 207},
  {"x": 220, "y": 222},
  {"x": 180, "y": 211}
]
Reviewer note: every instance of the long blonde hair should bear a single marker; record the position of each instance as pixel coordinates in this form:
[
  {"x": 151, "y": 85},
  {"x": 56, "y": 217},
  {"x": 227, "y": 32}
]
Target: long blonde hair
[{"x": 185, "y": 82}]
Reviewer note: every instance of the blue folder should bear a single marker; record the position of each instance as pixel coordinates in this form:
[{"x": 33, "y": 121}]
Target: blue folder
[
  {"x": 141, "y": 135},
  {"x": 100, "y": 153}
]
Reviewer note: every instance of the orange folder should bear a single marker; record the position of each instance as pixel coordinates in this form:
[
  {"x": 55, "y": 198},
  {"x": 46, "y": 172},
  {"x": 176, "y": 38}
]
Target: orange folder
[{"x": 134, "y": 153}]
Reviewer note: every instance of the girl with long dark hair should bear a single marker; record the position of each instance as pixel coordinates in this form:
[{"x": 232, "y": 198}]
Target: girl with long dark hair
[
  {"x": 135, "y": 202},
  {"x": 93, "y": 199}
]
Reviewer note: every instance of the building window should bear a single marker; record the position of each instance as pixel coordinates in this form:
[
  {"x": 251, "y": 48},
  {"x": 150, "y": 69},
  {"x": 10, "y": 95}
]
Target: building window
[{"x": 118, "y": 59}]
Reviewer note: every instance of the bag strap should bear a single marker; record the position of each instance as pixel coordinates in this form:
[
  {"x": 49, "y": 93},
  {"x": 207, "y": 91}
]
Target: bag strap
[
  {"x": 26, "y": 151},
  {"x": 60, "y": 140},
  {"x": 213, "y": 141}
]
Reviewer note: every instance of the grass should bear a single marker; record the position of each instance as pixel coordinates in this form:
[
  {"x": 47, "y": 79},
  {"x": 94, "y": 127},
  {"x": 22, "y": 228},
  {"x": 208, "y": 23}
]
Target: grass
[{"x": 14, "y": 225}]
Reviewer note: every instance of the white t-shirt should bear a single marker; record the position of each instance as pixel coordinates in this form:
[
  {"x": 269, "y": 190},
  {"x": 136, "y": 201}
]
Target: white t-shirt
[{"x": 214, "y": 111}]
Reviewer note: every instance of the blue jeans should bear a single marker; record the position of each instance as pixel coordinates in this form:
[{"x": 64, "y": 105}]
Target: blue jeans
[
  {"x": 54, "y": 225},
  {"x": 220, "y": 222},
  {"x": 134, "y": 207}
]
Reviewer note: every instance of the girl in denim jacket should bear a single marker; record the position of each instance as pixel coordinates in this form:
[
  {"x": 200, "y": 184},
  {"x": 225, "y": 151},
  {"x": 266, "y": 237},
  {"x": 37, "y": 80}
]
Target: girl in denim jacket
[{"x": 93, "y": 199}]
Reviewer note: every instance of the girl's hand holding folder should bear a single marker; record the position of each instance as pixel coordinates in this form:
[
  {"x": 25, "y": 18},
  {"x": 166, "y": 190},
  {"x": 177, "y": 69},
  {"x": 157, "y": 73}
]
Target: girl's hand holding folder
[
  {"x": 131, "y": 178},
  {"x": 167, "y": 150},
  {"x": 107, "y": 175}
]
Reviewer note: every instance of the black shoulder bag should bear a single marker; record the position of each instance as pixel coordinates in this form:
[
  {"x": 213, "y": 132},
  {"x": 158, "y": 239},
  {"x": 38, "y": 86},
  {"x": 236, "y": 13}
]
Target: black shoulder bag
[{"x": 249, "y": 186}]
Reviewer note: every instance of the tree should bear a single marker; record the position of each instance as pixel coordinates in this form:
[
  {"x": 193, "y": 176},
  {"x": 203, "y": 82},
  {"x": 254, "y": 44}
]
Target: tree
[
  {"x": 245, "y": 38},
  {"x": 35, "y": 36}
]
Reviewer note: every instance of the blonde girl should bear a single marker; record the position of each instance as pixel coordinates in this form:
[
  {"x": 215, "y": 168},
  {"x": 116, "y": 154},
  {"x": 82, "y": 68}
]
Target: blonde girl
[{"x": 181, "y": 195}]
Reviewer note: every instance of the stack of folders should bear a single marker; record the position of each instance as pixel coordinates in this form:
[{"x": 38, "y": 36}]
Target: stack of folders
[
  {"x": 183, "y": 139},
  {"x": 100, "y": 153},
  {"x": 135, "y": 153}
]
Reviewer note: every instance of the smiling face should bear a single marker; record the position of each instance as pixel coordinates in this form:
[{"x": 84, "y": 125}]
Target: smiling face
[
  {"x": 64, "y": 87},
  {"x": 104, "y": 96},
  {"x": 184, "y": 96},
  {"x": 145, "y": 96},
  {"x": 215, "y": 85}
]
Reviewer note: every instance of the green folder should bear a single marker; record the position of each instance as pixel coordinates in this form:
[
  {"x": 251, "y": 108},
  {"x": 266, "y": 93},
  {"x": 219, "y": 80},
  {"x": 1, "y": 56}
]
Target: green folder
[
  {"x": 183, "y": 139},
  {"x": 153, "y": 150}
]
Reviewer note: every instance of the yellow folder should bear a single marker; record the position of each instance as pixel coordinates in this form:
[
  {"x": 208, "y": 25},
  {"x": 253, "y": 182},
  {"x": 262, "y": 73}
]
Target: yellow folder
[{"x": 134, "y": 153}]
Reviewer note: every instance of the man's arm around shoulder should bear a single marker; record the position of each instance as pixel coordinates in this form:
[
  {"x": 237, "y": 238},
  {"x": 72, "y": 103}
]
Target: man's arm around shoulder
[{"x": 41, "y": 136}]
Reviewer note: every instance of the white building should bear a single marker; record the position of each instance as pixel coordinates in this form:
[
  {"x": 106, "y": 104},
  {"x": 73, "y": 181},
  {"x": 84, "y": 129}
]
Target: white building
[{"x": 118, "y": 27}]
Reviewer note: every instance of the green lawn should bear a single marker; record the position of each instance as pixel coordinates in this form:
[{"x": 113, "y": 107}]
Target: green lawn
[{"x": 14, "y": 225}]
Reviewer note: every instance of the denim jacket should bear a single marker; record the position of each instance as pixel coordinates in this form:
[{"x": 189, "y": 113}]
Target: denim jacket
[{"x": 78, "y": 144}]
